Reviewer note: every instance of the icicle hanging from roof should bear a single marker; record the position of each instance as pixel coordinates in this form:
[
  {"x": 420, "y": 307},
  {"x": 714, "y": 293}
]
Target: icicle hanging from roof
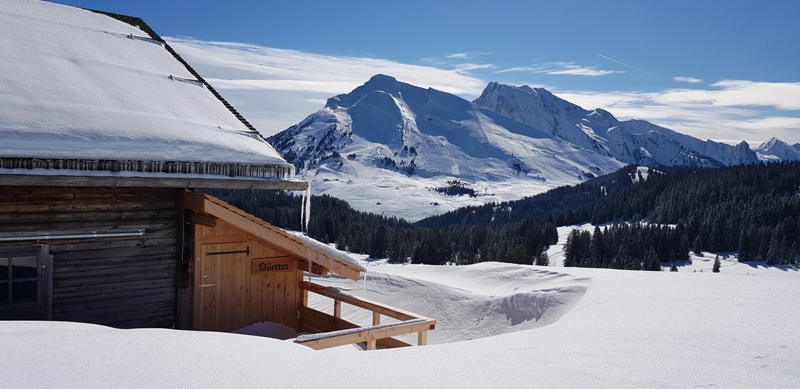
[
  {"x": 306, "y": 207},
  {"x": 303, "y": 210}
]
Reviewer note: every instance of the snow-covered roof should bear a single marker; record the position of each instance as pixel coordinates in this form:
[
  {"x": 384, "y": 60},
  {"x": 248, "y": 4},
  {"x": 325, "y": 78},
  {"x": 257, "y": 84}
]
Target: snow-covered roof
[{"x": 85, "y": 91}]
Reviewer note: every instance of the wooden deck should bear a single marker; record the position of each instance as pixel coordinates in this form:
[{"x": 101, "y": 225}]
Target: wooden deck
[{"x": 331, "y": 331}]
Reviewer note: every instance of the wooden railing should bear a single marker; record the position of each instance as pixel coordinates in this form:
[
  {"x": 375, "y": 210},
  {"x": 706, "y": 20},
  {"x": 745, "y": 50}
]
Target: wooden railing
[{"x": 325, "y": 331}]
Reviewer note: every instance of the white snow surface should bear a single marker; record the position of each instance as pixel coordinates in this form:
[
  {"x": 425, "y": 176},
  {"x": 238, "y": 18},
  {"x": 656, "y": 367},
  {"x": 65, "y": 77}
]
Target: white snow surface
[
  {"x": 77, "y": 84},
  {"x": 606, "y": 328}
]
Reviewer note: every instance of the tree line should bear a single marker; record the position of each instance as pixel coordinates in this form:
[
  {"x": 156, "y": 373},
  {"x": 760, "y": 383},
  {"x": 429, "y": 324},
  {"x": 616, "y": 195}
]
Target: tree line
[
  {"x": 629, "y": 246},
  {"x": 752, "y": 209},
  {"x": 334, "y": 221}
]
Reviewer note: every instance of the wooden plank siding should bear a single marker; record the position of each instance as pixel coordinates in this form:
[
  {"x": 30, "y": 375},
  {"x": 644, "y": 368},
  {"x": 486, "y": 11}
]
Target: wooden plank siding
[
  {"x": 123, "y": 282},
  {"x": 245, "y": 297}
]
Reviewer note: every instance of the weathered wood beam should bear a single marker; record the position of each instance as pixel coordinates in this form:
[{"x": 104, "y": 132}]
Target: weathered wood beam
[
  {"x": 313, "y": 321},
  {"x": 204, "y": 220},
  {"x": 315, "y": 269},
  {"x": 271, "y": 235},
  {"x": 365, "y": 334},
  {"x": 152, "y": 182}
]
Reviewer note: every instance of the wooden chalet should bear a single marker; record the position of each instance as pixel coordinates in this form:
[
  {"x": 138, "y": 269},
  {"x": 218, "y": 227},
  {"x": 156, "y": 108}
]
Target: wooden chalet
[{"x": 107, "y": 137}]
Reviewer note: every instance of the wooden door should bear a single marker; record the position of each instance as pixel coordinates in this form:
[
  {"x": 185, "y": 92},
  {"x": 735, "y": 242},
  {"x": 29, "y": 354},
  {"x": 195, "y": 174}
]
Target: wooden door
[{"x": 222, "y": 287}]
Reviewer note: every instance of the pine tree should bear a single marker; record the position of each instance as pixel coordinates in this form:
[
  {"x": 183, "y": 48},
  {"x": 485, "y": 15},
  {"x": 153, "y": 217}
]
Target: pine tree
[
  {"x": 651, "y": 261},
  {"x": 698, "y": 245},
  {"x": 715, "y": 269},
  {"x": 543, "y": 259}
]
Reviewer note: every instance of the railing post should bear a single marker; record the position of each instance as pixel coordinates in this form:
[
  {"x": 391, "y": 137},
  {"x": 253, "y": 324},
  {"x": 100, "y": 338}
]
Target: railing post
[
  {"x": 376, "y": 318},
  {"x": 408, "y": 322},
  {"x": 337, "y": 309}
]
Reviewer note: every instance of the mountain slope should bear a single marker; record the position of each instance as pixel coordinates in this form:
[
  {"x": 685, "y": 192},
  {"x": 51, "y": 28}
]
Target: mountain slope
[
  {"x": 633, "y": 142},
  {"x": 393, "y": 148},
  {"x": 776, "y": 149}
]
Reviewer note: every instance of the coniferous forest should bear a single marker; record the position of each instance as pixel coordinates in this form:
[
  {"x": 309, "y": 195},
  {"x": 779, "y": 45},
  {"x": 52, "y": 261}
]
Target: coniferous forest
[
  {"x": 752, "y": 209},
  {"x": 334, "y": 221}
]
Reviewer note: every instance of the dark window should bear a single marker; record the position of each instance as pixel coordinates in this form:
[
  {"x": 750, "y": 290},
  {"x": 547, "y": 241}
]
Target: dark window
[
  {"x": 4, "y": 271},
  {"x": 25, "y": 282}
]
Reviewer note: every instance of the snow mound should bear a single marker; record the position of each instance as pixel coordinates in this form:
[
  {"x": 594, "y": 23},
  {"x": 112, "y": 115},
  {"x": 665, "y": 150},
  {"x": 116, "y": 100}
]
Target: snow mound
[{"x": 494, "y": 298}]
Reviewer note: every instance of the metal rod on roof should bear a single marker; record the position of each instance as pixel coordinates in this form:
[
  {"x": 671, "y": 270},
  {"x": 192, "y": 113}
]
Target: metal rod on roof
[{"x": 59, "y": 236}]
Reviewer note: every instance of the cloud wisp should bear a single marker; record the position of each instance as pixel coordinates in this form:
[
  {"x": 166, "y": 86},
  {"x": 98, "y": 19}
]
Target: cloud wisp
[
  {"x": 690, "y": 80},
  {"x": 463, "y": 68},
  {"x": 626, "y": 65},
  {"x": 458, "y": 56},
  {"x": 560, "y": 68},
  {"x": 730, "y": 111},
  {"x": 258, "y": 67}
]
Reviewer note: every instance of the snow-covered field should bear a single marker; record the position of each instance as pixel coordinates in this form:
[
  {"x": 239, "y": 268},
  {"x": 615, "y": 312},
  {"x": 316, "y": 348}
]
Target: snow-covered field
[
  {"x": 499, "y": 325},
  {"x": 413, "y": 198}
]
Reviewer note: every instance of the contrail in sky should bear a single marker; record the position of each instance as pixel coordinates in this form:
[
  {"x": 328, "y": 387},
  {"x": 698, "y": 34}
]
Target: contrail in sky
[{"x": 624, "y": 64}]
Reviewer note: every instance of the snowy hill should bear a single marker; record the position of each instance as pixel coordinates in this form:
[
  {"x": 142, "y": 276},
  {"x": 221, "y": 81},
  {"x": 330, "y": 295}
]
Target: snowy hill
[
  {"x": 393, "y": 148},
  {"x": 542, "y": 327},
  {"x": 632, "y": 142}
]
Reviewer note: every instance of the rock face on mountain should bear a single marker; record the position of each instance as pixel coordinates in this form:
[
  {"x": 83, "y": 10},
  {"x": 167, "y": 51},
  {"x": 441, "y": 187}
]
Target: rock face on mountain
[
  {"x": 633, "y": 142},
  {"x": 393, "y": 148}
]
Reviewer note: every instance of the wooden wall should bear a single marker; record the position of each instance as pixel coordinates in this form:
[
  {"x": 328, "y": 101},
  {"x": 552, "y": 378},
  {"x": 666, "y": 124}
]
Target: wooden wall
[
  {"x": 242, "y": 295},
  {"x": 124, "y": 282}
]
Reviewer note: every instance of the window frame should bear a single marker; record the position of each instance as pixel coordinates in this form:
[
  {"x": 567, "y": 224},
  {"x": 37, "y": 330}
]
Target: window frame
[{"x": 44, "y": 278}]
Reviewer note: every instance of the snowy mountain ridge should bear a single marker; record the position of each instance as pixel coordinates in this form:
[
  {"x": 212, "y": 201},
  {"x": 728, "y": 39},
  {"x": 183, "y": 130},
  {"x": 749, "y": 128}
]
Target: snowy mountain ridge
[
  {"x": 392, "y": 148},
  {"x": 776, "y": 149},
  {"x": 632, "y": 142}
]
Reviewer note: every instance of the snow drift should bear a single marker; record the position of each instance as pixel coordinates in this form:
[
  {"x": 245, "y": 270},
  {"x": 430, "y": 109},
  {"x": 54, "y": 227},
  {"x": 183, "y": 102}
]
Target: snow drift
[{"x": 495, "y": 298}]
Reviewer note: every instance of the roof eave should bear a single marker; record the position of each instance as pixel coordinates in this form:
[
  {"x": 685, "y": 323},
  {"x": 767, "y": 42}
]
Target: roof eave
[{"x": 171, "y": 181}]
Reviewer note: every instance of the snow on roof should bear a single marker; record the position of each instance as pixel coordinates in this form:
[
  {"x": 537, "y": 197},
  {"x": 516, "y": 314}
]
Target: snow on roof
[
  {"x": 331, "y": 252},
  {"x": 82, "y": 86}
]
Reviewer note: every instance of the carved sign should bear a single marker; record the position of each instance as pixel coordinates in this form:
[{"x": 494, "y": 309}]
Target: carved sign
[{"x": 273, "y": 265}]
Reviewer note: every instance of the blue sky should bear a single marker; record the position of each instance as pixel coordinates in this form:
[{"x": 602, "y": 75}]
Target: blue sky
[{"x": 724, "y": 70}]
